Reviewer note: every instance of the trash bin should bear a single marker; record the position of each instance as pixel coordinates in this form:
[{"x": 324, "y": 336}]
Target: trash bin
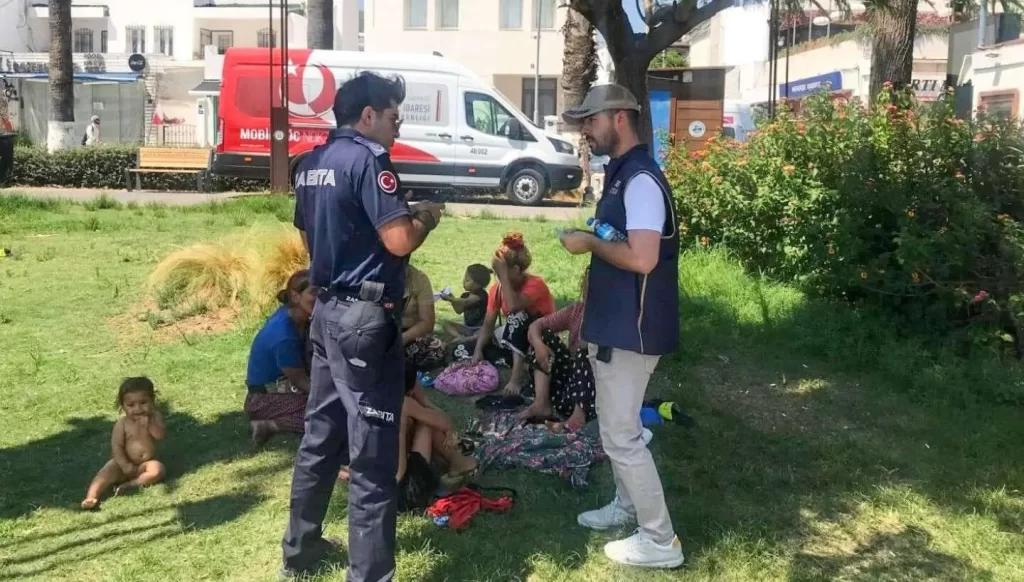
[{"x": 6, "y": 157}]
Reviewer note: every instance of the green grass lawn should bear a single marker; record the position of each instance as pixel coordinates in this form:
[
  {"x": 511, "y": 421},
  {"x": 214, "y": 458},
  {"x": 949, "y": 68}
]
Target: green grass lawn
[{"x": 828, "y": 448}]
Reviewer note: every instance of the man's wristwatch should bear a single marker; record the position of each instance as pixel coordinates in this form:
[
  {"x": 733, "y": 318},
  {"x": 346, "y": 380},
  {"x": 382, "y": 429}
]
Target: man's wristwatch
[{"x": 426, "y": 218}]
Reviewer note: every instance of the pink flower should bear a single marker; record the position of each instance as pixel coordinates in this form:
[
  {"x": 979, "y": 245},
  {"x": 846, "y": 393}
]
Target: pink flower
[{"x": 981, "y": 296}]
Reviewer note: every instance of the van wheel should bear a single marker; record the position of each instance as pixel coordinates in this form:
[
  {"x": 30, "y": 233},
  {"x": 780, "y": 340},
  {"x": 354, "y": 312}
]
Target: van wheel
[{"x": 527, "y": 186}]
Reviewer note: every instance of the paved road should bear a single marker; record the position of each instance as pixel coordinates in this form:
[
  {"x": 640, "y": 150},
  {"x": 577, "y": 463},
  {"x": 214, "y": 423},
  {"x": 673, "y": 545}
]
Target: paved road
[{"x": 194, "y": 198}]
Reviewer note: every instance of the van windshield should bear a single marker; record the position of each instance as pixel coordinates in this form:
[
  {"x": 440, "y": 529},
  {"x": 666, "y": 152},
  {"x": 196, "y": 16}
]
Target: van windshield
[{"x": 508, "y": 103}]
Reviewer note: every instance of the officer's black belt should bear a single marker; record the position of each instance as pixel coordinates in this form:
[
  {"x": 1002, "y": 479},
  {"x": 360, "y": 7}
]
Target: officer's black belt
[{"x": 349, "y": 295}]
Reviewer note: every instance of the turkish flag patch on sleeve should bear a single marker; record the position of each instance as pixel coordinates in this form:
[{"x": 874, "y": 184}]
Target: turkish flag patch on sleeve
[{"x": 387, "y": 182}]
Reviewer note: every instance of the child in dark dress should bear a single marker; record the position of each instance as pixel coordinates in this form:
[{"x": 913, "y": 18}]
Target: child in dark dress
[{"x": 472, "y": 304}]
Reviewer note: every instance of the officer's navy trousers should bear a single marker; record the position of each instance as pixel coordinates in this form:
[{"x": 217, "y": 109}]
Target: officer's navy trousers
[{"x": 348, "y": 422}]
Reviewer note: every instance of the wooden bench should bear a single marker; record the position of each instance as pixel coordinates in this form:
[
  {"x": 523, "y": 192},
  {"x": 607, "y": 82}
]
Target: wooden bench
[{"x": 169, "y": 161}]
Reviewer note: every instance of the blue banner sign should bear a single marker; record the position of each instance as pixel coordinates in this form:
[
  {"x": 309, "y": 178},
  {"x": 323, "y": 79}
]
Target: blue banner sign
[{"x": 803, "y": 87}]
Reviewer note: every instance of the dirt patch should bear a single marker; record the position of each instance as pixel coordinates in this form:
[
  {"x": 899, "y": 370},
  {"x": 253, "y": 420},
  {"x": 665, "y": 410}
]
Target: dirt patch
[{"x": 147, "y": 320}]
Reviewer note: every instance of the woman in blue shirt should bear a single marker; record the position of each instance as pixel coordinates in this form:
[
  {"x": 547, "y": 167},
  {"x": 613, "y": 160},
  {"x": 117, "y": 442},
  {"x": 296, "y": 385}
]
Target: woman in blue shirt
[{"x": 278, "y": 373}]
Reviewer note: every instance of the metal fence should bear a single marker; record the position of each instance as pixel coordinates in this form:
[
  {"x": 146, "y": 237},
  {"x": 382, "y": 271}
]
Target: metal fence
[
  {"x": 120, "y": 107},
  {"x": 173, "y": 135}
]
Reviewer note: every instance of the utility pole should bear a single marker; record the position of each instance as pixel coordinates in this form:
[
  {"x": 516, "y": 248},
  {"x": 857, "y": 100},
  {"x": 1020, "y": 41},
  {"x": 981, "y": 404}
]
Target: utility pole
[
  {"x": 536, "y": 74},
  {"x": 279, "y": 178}
]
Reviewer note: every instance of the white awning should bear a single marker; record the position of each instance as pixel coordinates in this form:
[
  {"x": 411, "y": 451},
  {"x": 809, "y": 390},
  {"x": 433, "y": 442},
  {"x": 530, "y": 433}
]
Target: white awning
[{"x": 206, "y": 88}]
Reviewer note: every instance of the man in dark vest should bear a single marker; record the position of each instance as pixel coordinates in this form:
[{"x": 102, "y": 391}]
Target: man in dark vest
[{"x": 631, "y": 319}]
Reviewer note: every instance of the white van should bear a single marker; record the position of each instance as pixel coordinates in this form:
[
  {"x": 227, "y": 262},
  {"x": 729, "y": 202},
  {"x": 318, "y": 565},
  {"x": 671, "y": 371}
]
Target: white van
[
  {"x": 737, "y": 119},
  {"x": 457, "y": 130}
]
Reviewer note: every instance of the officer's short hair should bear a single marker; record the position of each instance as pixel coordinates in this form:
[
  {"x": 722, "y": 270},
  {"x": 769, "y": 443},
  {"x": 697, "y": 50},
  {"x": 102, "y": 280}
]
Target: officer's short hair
[{"x": 366, "y": 88}]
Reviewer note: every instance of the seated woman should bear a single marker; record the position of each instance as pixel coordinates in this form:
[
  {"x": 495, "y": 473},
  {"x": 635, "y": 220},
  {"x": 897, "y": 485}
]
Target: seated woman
[
  {"x": 278, "y": 372},
  {"x": 562, "y": 378},
  {"x": 425, "y": 432},
  {"x": 423, "y": 349},
  {"x": 519, "y": 298}
]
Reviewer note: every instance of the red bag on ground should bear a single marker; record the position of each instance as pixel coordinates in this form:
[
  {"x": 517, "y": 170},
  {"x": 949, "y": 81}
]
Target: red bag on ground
[{"x": 461, "y": 506}]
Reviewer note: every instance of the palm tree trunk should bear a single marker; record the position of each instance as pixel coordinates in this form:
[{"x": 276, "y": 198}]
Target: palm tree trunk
[
  {"x": 579, "y": 71},
  {"x": 320, "y": 24},
  {"x": 892, "y": 55},
  {"x": 61, "y": 128}
]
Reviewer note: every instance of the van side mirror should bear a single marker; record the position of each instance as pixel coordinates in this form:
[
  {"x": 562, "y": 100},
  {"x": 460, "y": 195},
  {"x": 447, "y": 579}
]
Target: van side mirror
[{"x": 515, "y": 129}]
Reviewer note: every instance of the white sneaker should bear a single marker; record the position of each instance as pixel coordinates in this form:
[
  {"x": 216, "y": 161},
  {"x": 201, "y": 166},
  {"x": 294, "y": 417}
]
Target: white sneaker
[
  {"x": 609, "y": 516},
  {"x": 640, "y": 550}
]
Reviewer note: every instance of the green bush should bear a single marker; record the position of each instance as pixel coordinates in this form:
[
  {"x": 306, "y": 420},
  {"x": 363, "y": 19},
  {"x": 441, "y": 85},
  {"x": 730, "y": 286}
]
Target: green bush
[
  {"x": 900, "y": 205},
  {"x": 103, "y": 167}
]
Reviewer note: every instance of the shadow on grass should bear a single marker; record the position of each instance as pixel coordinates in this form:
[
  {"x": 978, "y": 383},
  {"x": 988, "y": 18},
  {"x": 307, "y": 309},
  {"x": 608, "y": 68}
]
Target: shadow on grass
[
  {"x": 892, "y": 556},
  {"x": 792, "y": 436},
  {"x": 54, "y": 471},
  {"x": 107, "y": 536}
]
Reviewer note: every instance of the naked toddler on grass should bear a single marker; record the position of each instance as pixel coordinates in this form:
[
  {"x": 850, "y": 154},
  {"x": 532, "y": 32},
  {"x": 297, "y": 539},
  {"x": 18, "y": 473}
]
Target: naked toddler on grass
[{"x": 132, "y": 443}]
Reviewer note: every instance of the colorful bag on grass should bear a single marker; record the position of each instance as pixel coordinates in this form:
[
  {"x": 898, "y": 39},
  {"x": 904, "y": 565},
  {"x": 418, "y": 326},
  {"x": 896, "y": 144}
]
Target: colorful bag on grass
[{"x": 467, "y": 378}]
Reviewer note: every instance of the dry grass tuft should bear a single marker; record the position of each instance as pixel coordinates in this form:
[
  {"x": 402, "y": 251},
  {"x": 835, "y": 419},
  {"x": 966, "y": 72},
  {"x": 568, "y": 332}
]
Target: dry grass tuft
[
  {"x": 284, "y": 258},
  {"x": 204, "y": 276},
  {"x": 243, "y": 272}
]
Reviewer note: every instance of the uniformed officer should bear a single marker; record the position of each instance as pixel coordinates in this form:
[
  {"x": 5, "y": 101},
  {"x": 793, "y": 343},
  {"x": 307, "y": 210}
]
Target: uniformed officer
[
  {"x": 359, "y": 231},
  {"x": 631, "y": 319}
]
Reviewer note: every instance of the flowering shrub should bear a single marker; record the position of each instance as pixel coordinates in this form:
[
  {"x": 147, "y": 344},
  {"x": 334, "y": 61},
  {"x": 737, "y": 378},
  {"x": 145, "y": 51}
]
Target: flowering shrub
[{"x": 899, "y": 204}]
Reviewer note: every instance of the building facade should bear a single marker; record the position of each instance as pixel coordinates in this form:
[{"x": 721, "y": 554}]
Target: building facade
[
  {"x": 496, "y": 39},
  {"x": 816, "y": 49},
  {"x": 176, "y": 38}
]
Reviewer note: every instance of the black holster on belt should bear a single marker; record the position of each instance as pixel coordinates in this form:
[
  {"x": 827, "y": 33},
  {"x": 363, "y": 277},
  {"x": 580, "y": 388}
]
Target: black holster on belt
[
  {"x": 367, "y": 330},
  {"x": 371, "y": 291}
]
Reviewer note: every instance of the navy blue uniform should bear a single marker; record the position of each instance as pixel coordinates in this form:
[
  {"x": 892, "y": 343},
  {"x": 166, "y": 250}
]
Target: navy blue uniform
[{"x": 345, "y": 190}]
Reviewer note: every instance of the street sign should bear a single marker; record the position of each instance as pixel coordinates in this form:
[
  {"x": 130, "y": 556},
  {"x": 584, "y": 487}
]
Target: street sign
[{"x": 137, "y": 62}]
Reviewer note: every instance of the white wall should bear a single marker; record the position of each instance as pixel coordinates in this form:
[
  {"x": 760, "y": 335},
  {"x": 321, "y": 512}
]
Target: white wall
[
  {"x": 122, "y": 13},
  {"x": 747, "y": 23},
  {"x": 1000, "y": 68},
  {"x": 173, "y": 85},
  {"x": 346, "y": 25},
  {"x": 477, "y": 43},
  {"x": 24, "y": 28},
  {"x": 17, "y": 33},
  {"x": 749, "y": 81},
  {"x": 739, "y": 36}
]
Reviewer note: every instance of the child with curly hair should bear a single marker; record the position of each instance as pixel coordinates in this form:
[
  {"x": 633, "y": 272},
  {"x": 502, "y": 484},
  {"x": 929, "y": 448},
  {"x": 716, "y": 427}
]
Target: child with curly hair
[
  {"x": 514, "y": 302},
  {"x": 132, "y": 444}
]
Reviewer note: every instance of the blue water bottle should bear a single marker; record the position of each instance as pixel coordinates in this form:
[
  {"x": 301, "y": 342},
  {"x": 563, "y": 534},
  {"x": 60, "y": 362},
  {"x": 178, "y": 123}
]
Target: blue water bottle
[{"x": 605, "y": 231}]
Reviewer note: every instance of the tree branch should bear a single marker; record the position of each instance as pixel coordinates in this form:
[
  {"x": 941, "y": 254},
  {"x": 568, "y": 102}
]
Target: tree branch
[
  {"x": 610, "y": 19},
  {"x": 669, "y": 24}
]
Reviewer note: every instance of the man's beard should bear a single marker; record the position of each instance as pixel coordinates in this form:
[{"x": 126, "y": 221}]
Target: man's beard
[{"x": 603, "y": 149}]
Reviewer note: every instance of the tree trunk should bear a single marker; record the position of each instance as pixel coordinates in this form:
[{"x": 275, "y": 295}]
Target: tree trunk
[
  {"x": 579, "y": 71},
  {"x": 320, "y": 24},
  {"x": 579, "y": 58},
  {"x": 61, "y": 128},
  {"x": 892, "y": 54},
  {"x": 631, "y": 73}
]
